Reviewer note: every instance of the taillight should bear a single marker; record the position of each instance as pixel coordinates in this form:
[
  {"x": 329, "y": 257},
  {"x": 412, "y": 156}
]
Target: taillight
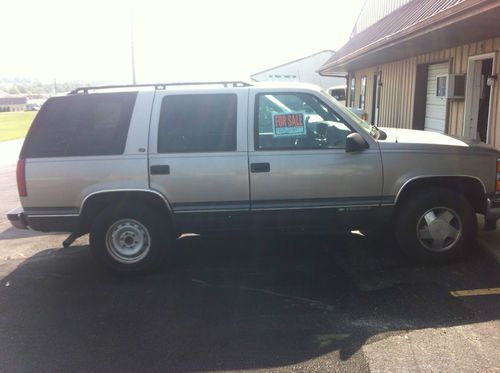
[
  {"x": 497, "y": 185},
  {"x": 21, "y": 178}
]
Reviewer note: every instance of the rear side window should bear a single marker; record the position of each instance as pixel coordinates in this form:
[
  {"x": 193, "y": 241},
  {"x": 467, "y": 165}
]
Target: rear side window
[
  {"x": 81, "y": 125},
  {"x": 197, "y": 123},
  {"x": 338, "y": 94}
]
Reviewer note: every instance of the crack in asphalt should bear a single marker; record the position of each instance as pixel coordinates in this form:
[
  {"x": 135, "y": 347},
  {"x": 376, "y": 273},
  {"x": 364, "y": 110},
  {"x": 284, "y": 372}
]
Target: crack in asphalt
[{"x": 310, "y": 302}]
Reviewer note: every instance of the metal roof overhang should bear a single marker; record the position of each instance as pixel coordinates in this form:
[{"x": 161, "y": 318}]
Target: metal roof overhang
[{"x": 479, "y": 23}]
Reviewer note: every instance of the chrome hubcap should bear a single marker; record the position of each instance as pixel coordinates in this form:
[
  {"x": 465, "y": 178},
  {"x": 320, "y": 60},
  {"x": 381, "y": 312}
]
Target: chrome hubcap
[
  {"x": 439, "y": 229},
  {"x": 128, "y": 241}
]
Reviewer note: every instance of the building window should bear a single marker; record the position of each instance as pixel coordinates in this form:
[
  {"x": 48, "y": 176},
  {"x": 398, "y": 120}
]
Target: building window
[
  {"x": 362, "y": 93},
  {"x": 352, "y": 91},
  {"x": 441, "y": 86}
]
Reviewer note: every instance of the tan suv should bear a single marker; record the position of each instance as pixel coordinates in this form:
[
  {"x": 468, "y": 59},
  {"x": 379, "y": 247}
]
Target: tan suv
[{"x": 136, "y": 166}]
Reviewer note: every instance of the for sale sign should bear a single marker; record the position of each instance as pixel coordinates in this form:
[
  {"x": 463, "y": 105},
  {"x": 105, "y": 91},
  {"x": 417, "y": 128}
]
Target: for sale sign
[{"x": 290, "y": 124}]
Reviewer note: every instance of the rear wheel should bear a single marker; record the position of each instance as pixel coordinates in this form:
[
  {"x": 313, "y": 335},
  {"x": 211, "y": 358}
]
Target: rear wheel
[
  {"x": 435, "y": 226},
  {"x": 129, "y": 239}
]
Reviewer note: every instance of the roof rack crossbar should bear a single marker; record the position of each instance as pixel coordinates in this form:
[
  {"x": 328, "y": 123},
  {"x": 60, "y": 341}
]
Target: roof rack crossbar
[{"x": 158, "y": 86}]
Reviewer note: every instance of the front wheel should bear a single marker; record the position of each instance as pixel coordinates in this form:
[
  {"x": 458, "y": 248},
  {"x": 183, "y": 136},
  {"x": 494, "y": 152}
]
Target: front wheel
[
  {"x": 129, "y": 239},
  {"x": 435, "y": 226}
]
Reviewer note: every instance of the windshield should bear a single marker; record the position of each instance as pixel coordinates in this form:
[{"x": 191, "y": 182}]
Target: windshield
[{"x": 360, "y": 122}]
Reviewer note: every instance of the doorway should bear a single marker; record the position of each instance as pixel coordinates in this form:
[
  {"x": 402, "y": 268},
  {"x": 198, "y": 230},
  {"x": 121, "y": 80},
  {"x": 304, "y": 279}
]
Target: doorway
[{"x": 478, "y": 97}]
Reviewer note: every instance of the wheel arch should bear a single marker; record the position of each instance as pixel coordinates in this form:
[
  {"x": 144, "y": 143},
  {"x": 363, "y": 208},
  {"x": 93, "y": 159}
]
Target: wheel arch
[
  {"x": 471, "y": 187},
  {"x": 94, "y": 203}
]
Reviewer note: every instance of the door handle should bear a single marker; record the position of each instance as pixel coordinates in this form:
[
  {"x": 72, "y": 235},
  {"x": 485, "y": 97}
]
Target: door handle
[
  {"x": 160, "y": 170},
  {"x": 260, "y": 167}
]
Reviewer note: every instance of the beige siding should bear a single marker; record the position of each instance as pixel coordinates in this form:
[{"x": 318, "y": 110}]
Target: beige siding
[
  {"x": 396, "y": 96},
  {"x": 398, "y": 88}
]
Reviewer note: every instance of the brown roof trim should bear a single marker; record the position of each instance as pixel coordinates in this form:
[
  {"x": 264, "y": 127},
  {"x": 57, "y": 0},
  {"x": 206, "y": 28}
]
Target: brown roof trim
[{"x": 442, "y": 19}]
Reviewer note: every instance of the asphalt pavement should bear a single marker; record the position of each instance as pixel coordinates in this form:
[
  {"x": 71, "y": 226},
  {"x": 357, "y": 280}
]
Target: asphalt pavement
[{"x": 243, "y": 303}]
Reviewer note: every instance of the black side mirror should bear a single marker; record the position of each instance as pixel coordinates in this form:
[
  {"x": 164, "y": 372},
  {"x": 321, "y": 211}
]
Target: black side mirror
[{"x": 355, "y": 143}]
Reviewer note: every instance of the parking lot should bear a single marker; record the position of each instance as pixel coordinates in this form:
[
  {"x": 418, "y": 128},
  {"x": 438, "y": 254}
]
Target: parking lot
[{"x": 240, "y": 302}]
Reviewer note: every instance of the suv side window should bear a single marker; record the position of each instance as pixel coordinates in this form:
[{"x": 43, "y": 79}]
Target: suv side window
[
  {"x": 338, "y": 94},
  {"x": 297, "y": 121},
  {"x": 197, "y": 123},
  {"x": 81, "y": 125}
]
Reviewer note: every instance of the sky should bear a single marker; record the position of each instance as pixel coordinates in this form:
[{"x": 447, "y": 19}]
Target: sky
[{"x": 182, "y": 40}]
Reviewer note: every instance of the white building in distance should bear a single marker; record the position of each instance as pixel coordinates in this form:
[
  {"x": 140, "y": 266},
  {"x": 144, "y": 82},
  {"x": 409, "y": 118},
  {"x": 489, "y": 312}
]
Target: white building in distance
[{"x": 302, "y": 70}]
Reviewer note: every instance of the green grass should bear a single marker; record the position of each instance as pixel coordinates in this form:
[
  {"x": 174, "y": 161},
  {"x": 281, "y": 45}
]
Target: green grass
[{"x": 15, "y": 125}]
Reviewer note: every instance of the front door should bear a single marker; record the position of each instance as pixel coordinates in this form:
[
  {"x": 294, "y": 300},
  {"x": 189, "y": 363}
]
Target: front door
[
  {"x": 299, "y": 169},
  {"x": 478, "y": 97},
  {"x": 435, "y": 105}
]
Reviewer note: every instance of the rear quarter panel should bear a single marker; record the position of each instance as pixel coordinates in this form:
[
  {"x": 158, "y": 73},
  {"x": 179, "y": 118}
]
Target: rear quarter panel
[{"x": 62, "y": 183}]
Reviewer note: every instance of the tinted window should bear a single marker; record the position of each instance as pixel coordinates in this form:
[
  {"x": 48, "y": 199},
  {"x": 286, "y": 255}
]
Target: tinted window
[
  {"x": 297, "y": 121},
  {"x": 197, "y": 123},
  {"x": 79, "y": 125},
  {"x": 338, "y": 94}
]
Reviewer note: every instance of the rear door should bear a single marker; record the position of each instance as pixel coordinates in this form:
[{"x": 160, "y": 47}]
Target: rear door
[
  {"x": 300, "y": 171},
  {"x": 198, "y": 155}
]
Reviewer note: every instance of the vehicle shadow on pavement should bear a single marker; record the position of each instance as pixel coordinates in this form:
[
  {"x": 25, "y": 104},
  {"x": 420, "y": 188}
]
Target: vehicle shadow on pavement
[
  {"x": 228, "y": 303},
  {"x": 15, "y": 233}
]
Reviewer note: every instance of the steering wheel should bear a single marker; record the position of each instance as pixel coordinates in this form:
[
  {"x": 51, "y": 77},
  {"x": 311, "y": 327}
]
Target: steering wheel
[{"x": 315, "y": 138}]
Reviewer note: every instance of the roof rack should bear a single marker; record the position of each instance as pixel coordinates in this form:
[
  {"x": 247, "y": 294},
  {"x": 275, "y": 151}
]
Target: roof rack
[{"x": 159, "y": 86}]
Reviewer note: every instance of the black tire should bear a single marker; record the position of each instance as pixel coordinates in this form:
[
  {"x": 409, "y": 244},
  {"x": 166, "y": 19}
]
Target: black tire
[
  {"x": 130, "y": 221},
  {"x": 408, "y": 219}
]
